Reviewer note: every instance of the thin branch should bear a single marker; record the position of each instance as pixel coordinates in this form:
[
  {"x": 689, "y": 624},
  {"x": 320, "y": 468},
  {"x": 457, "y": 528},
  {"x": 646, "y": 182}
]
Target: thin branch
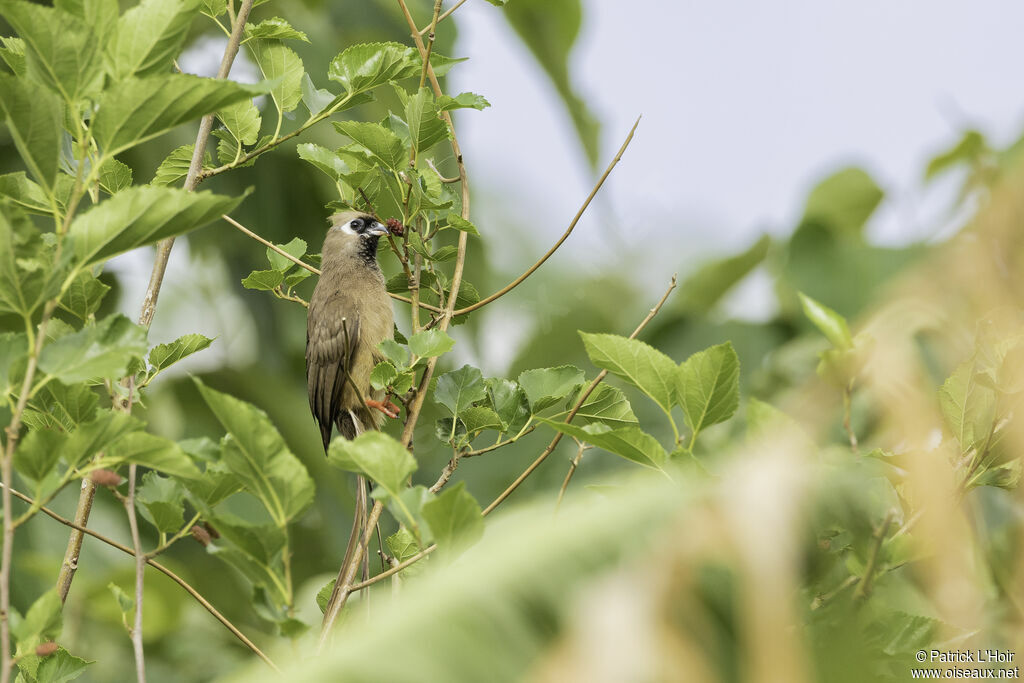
[
  {"x": 316, "y": 271},
  {"x": 159, "y": 567},
  {"x": 572, "y": 226},
  {"x": 581, "y": 448},
  {"x": 432, "y": 25},
  {"x": 394, "y": 570},
  {"x": 500, "y": 444},
  {"x": 446, "y": 472},
  {"x": 140, "y": 574},
  {"x": 156, "y": 278},
  {"x": 847, "y": 417},
  {"x": 863, "y": 589},
  {"x": 575, "y": 409}
]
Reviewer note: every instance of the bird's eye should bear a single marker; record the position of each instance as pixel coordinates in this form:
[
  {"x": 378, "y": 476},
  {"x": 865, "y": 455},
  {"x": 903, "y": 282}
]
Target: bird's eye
[{"x": 356, "y": 224}]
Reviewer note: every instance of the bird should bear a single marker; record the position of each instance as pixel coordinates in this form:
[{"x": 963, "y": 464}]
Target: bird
[{"x": 349, "y": 315}]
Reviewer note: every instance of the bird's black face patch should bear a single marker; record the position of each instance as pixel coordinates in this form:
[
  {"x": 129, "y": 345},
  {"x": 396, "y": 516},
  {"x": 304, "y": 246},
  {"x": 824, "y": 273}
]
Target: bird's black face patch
[{"x": 361, "y": 225}]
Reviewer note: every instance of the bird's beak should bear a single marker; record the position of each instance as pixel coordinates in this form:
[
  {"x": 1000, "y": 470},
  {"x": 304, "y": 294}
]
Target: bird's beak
[{"x": 378, "y": 229}]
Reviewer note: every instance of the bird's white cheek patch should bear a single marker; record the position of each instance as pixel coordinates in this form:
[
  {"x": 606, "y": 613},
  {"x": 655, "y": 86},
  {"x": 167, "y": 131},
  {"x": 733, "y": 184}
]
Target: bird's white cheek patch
[{"x": 345, "y": 228}]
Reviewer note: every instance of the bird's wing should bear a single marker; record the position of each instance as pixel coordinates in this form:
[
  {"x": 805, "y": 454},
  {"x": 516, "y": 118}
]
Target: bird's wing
[{"x": 332, "y": 335}]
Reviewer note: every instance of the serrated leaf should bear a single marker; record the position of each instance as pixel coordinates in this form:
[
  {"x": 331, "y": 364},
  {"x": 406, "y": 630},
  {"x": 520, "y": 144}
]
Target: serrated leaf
[
  {"x": 42, "y": 622},
  {"x": 461, "y": 224},
  {"x": 175, "y": 166},
  {"x": 544, "y": 387},
  {"x": 296, "y": 247},
  {"x": 315, "y": 99},
  {"x": 376, "y": 455},
  {"x": 968, "y": 406},
  {"x": 402, "y": 545},
  {"x": 381, "y": 143},
  {"x": 13, "y": 54},
  {"x": 149, "y": 36},
  {"x": 394, "y": 352},
  {"x": 242, "y": 119},
  {"x": 28, "y": 275},
  {"x": 215, "y": 8},
  {"x": 38, "y": 452},
  {"x": 509, "y": 402},
  {"x": 641, "y": 365},
  {"x": 830, "y": 323},
  {"x": 605, "y": 404},
  {"x": 12, "y": 348},
  {"x": 431, "y": 343},
  {"x": 478, "y": 418},
  {"x": 275, "y": 28},
  {"x": 25, "y": 193},
  {"x": 92, "y": 437},
  {"x": 454, "y": 518},
  {"x": 138, "y": 109},
  {"x": 162, "y": 356},
  {"x": 61, "y": 666},
  {"x": 152, "y": 451},
  {"x": 367, "y": 65},
  {"x": 143, "y": 215},
  {"x": 101, "y": 351},
  {"x": 161, "y": 501},
  {"x": 459, "y": 389},
  {"x": 281, "y": 65},
  {"x": 324, "y": 159},
  {"x": 426, "y": 129},
  {"x": 61, "y": 50},
  {"x": 35, "y": 118},
  {"x": 59, "y": 406},
  {"x": 257, "y": 454},
  {"x": 263, "y": 279},
  {"x": 115, "y": 176},
  {"x": 84, "y": 295},
  {"x": 631, "y": 443},
  {"x": 382, "y": 375},
  {"x": 465, "y": 100},
  {"x": 709, "y": 386}
]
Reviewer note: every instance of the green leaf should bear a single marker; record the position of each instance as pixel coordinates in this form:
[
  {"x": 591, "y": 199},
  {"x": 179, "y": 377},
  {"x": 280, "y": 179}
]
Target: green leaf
[
  {"x": 28, "y": 275},
  {"x": 101, "y": 351},
  {"x": 631, "y": 442},
  {"x": 466, "y": 100},
  {"x": 378, "y": 456},
  {"x": 35, "y": 118},
  {"x": 367, "y": 65},
  {"x": 295, "y": 278},
  {"x": 59, "y": 406},
  {"x": 383, "y": 145},
  {"x": 478, "y": 418},
  {"x": 324, "y": 159},
  {"x": 402, "y": 545},
  {"x": 92, "y": 437},
  {"x": 152, "y": 451},
  {"x": 843, "y": 202},
  {"x": 641, "y": 365},
  {"x": 115, "y": 176},
  {"x": 229, "y": 151},
  {"x": 84, "y": 295},
  {"x": 969, "y": 149},
  {"x": 42, "y": 622},
  {"x": 709, "y": 386},
  {"x": 215, "y": 8},
  {"x": 509, "y": 402},
  {"x": 296, "y": 248},
  {"x": 256, "y": 453},
  {"x": 426, "y": 129},
  {"x": 263, "y": 279},
  {"x": 125, "y": 602},
  {"x": 394, "y": 352},
  {"x": 242, "y": 119},
  {"x": 968, "y": 406},
  {"x": 459, "y": 389},
  {"x": 61, "y": 50},
  {"x": 175, "y": 166},
  {"x": 138, "y": 109},
  {"x": 162, "y": 502},
  {"x": 162, "y": 356},
  {"x": 12, "y": 348},
  {"x": 60, "y": 667},
  {"x": 315, "y": 99},
  {"x": 143, "y": 215},
  {"x": 605, "y": 404},
  {"x": 38, "y": 453},
  {"x": 830, "y": 323},
  {"x": 149, "y": 36},
  {"x": 382, "y": 375},
  {"x": 431, "y": 343},
  {"x": 461, "y": 224},
  {"x": 275, "y": 28},
  {"x": 544, "y": 387},
  {"x": 25, "y": 193},
  {"x": 706, "y": 287},
  {"x": 13, "y": 54},
  {"x": 283, "y": 67},
  {"x": 454, "y": 518},
  {"x": 323, "y": 596}
]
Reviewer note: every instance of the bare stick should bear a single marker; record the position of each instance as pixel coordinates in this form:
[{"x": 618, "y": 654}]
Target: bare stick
[
  {"x": 156, "y": 278},
  {"x": 140, "y": 573},
  {"x": 579, "y": 403},
  {"x": 863, "y": 589},
  {"x": 299, "y": 262},
  {"x": 581, "y": 447},
  {"x": 572, "y": 226},
  {"x": 159, "y": 567},
  {"x": 430, "y": 27}
]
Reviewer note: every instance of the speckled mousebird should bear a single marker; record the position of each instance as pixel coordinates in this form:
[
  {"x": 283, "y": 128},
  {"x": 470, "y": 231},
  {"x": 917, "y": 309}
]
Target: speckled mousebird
[{"x": 350, "y": 296}]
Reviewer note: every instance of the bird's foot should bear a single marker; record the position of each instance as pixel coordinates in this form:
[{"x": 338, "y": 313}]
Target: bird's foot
[{"x": 386, "y": 407}]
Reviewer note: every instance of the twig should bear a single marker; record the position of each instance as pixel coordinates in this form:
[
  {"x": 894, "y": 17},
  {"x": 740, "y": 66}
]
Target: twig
[
  {"x": 446, "y": 472},
  {"x": 159, "y": 567},
  {"x": 847, "y": 425},
  {"x": 299, "y": 262},
  {"x": 500, "y": 444},
  {"x": 581, "y": 447},
  {"x": 433, "y": 24},
  {"x": 864, "y": 587},
  {"x": 156, "y": 278},
  {"x": 575, "y": 409},
  {"x": 572, "y": 226},
  {"x": 140, "y": 573}
]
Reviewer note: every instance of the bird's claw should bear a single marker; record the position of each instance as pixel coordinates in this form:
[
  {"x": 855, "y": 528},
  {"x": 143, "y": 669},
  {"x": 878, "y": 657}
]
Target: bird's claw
[{"x": 386, "y": 407}]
